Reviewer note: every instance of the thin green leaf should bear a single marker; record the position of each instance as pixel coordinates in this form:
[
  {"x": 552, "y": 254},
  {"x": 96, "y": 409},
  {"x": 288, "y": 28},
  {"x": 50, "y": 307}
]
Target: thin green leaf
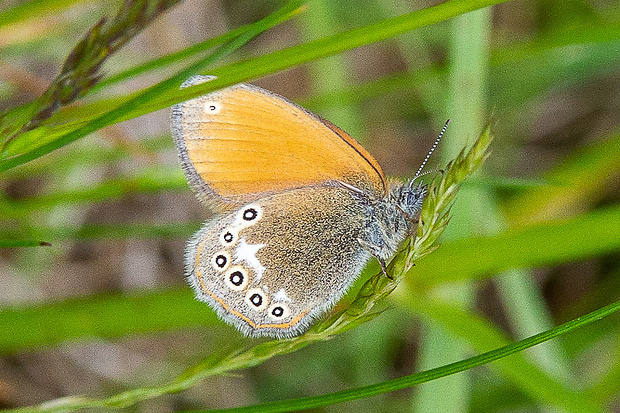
[
  {"x": 433, "y": 374},
  {"x": 149, "y": 180},
  {"x": 96, "y": 232},
  {"x": 578, "y": 179},
  {"x": 172, "y": 58},
  {"x": 467, "y": 83},
  {"x": 145, "y": 150},
  {"x": 482, "y": 336},
  {"x": 166, "y": 93},
  {"x": 80, "y": 70},
  {"x": 505, "y": 61}
]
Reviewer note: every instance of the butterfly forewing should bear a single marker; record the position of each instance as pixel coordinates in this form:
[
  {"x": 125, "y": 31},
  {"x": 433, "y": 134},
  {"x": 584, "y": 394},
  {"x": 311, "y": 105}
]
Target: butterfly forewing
[{"x": 243, "y": 143}]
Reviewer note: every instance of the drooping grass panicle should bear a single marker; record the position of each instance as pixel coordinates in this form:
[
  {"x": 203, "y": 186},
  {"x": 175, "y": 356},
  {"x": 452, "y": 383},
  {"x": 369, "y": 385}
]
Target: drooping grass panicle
[
  {"x": 81, "y": 69},
  {"x": 434, "y": 217}
]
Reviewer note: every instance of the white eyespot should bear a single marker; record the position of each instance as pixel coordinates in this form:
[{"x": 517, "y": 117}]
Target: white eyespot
[
  {"x": 212, "y": 108},
  {"x": 236, "y": 278},
  {"x": 256, "y": 299},
  {"x": 221, "y": 260},
  {"x": 229, "y": 236},
  {"x": 248, "y": 215},
  {"x": 278, "y": 311}
]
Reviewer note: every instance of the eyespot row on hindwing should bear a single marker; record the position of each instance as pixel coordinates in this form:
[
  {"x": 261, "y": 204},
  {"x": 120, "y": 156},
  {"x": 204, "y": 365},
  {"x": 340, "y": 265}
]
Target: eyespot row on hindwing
[{"x": 236, "y": 276}]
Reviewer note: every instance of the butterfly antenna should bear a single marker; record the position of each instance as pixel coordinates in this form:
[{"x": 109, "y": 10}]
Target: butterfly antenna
[{"x": 428, "y": 155}]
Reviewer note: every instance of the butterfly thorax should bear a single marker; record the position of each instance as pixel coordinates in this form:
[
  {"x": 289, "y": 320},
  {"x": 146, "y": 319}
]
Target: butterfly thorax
[{"x": 390, "y": 219}]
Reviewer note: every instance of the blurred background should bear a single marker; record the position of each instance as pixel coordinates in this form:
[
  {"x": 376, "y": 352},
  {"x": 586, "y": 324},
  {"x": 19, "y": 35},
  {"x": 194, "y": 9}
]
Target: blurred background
[{"x": 106, "y": 307}]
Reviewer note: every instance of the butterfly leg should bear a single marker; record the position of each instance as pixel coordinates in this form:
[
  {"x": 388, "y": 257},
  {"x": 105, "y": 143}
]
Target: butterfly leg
[
  {"x": 384, "y": 268},
  {"x": 375, "y": 250}
]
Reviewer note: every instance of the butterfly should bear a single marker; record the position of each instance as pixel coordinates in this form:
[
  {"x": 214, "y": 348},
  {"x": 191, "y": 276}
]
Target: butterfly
[{"x": 299, "y": 207}]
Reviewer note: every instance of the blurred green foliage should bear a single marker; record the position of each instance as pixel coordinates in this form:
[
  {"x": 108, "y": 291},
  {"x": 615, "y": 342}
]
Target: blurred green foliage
[{"x": 533, "y": 240}]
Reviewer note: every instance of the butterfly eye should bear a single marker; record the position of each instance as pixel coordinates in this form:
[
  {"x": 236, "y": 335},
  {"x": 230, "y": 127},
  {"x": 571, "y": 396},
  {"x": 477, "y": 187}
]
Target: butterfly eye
[
  {"x": 220, "y": 260},
  {"x": 256, "y": 299},
  {"x": 279, "y": 311},
  {"x": 228, "y": 237},
  {"x": 236, "y": 278},
  {"x": 212, "y": 108}
]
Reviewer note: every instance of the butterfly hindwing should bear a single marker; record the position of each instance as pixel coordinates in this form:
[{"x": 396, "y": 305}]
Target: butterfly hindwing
[{"x": 231, "y": 260}]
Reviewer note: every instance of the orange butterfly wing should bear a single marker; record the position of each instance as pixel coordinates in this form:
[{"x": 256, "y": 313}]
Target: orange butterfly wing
[{"x": 243, "y": 142}]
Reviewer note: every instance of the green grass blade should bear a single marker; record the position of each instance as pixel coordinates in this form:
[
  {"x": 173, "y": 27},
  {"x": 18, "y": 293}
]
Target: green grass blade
[
  {"x": 33, "y": 9},
  {"x": 328, "y": 46},
  {"x": 528, "y": 313},
  {"x": 466, "y": 107},
  {"x": 144, "y": 151},
  {"x": 80, "y": 69},
  {"x": 596, "y": 58},
  {"x": 172, "y": 58},
  {"x": 332, "y": 71},
  {"x": 580, "y": 403},
  {"x": 482, "y": 336},
  {"x": 165, "y": 93},
  {"x": 108, "y": 316},
  {"x": 97, "y": 232},
  {"x": 578, "y": 180},
  {"x": 148, "y": 180},
  {"x": 28, "y": 146},
  {"x": 212, "y": 366},
  {"x": 549, "y": 243},
  {"x": 607, "y": 388}
]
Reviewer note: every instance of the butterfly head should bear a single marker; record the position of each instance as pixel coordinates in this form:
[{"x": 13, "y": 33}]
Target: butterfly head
[{"x": 408, "y": 198}]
